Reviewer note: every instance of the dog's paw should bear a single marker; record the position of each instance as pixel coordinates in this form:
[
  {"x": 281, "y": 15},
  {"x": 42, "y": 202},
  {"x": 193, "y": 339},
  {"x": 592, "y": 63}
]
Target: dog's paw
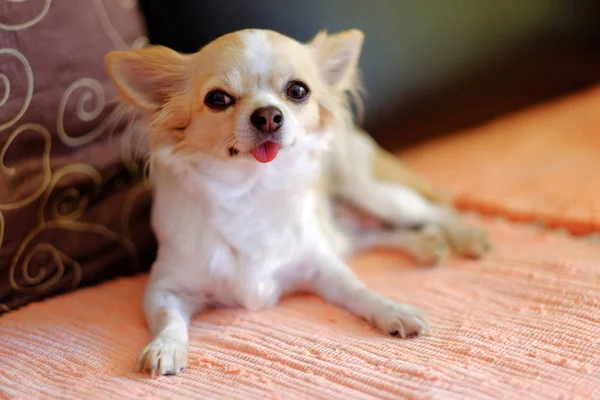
[
  {"x": 470, "y": 242},
  {"x": 466, "y": 240},
  {"x": 163, "y": 356},
  {"x": 430, "y": 246},
  {"x": 402, "y": 320}
]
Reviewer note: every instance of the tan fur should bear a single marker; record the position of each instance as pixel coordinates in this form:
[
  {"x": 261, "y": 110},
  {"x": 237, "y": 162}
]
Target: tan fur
[
  {"x": 244, "y": 183},
  {"x": 182, "y": 75},
  {"x": 388, "y": 167},
  {"x": 188, "y": 78}
]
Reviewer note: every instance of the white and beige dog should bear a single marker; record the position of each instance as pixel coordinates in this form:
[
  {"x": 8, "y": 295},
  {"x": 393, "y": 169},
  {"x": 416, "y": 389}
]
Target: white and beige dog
[{"x": 251, "y": 142}]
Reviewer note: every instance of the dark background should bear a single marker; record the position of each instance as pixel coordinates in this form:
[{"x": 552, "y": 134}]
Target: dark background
[{"x": 430, "y": 66}]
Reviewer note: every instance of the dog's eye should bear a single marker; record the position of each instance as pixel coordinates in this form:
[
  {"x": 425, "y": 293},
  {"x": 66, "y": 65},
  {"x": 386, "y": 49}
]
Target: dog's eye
[
  {"x": 297, "y": 91},
  {"x": 218, "y": 100}
]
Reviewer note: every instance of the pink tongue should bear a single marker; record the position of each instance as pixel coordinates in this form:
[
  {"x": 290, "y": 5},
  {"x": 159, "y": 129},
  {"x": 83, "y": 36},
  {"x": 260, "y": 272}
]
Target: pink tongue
[{"x": 266, "y": 152}]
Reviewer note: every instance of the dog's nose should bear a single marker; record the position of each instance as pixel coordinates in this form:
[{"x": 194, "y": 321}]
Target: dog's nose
[{"x": 267, "y": 119}]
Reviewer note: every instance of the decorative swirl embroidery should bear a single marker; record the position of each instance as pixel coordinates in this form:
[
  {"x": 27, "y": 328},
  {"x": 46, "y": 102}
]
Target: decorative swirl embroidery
[
  {"x": 62, "y": 210},
  {"x": 94, "y": 90},
  {"x": 62, "y": 198},
  {"x": 67, "y": 222},
  {"x": 31, "y": 22},
  {"x": 59, "y": 259},
  {"x": 40, "y": 281},
  {"x": 45, "y": 164},
  {"x": 6, "y": 83},
  {"x": 70, "y": 192},
  {"x": 110, "y": 30}
]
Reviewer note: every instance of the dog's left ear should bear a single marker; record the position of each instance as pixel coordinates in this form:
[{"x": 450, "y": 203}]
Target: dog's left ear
[{"x": 337, "y": 56}]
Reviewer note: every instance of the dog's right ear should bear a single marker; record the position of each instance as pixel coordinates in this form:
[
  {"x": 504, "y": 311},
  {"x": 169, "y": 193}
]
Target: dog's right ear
[{"x": 147, "y": 77}]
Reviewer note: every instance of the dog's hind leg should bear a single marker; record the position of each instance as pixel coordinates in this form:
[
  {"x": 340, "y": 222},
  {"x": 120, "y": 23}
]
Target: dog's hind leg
[
  {"x": 387, "y": 191},
  {"x": 427, "y": 245}
]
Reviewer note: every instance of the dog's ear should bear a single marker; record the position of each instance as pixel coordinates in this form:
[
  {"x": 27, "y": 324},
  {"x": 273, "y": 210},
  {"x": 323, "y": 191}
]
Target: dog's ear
[
  {"x": 147, "y": 77},
  {"x": 337, "y": 56}
]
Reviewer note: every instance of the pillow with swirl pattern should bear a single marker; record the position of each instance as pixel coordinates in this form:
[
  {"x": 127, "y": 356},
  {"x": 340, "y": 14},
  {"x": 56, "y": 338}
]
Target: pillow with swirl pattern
[{"x": 73, "y": 207}]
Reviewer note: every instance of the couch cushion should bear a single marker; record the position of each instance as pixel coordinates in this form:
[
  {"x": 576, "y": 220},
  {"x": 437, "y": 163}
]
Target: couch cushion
[
  {"x": 71, "y": 210},
  {"x": 539, "y": 165},
  {"x": 522, "y": 323}
]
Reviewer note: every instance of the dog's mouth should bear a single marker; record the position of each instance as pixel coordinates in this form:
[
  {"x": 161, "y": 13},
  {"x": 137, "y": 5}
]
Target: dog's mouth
[{"x": 266, "y": 152}]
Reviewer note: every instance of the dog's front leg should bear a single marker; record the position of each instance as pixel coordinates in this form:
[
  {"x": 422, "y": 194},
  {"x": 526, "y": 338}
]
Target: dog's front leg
[
  {"x": 335, "y": 282},
  {"x": 168, "y": 315}
]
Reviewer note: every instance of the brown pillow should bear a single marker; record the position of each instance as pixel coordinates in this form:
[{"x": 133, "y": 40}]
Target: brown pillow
[{"x": 73, "y": 208}]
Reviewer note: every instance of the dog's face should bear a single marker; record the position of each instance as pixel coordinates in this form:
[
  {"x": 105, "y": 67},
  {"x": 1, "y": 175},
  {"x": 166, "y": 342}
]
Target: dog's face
[{"x": 250, "y": 92}]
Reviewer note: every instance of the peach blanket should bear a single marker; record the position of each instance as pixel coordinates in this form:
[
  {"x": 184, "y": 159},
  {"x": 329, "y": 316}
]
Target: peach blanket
[
  {"x": 540, "y": 165},
  {"x": 523, "y": 323}
]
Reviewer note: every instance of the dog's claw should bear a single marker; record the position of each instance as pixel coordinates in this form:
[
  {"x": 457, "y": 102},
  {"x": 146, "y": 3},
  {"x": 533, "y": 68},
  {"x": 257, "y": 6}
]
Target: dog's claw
[{"x": 401, "y": 320}]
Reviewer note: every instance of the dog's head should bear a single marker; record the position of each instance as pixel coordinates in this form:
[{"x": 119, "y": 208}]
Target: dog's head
[{"x": 248, "y": 92}]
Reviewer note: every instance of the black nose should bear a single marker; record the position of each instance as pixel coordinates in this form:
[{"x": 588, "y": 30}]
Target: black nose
[{"x": 267, "y": 119}]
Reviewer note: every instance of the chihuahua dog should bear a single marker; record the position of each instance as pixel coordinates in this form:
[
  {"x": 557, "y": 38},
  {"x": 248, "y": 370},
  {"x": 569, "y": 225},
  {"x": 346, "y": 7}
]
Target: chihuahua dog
[{"x": 251, "y": 142}]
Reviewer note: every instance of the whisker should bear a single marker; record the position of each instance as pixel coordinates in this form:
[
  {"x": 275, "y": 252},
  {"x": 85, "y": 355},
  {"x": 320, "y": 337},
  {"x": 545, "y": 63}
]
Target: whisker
[{"x": 227, "y": 142}]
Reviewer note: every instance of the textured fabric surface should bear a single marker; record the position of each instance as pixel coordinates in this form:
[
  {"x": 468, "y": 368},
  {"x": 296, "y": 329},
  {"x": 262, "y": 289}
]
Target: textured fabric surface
[
  {"x": 539, "y": 165},
  {"x": 523, "y": 323},
  {"x": 71, "y": 206}
]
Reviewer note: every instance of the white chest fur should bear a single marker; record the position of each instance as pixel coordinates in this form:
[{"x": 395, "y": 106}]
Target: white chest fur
[{"x": 235, "y": 230}]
